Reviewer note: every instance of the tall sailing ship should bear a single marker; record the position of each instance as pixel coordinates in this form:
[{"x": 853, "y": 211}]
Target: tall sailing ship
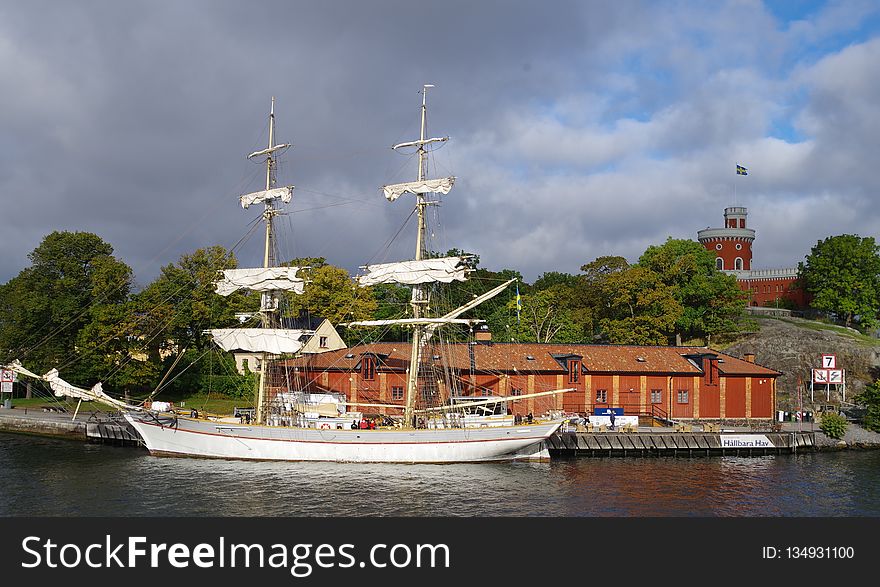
[{"x": 294, "y": 423}]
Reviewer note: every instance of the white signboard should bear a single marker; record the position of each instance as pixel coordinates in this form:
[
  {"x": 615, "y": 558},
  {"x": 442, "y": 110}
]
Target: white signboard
[
  {"x": 829, "y": 361},
  {"x": 618, "y": 420},
  {"x": 820, "y": 375},
  {"x": 6, "y": 387},
  {"x": 745, "y": 441},
  {"x": 835, "y": 375}
]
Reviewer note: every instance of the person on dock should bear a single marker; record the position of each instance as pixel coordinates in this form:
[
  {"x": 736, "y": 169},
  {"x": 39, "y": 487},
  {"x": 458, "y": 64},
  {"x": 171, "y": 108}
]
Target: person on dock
[{"x": 612, "y": 420}]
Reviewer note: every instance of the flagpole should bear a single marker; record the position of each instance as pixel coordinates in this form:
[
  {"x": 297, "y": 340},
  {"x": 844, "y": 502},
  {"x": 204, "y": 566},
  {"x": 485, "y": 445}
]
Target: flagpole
[{"x": 734, "y": 185}]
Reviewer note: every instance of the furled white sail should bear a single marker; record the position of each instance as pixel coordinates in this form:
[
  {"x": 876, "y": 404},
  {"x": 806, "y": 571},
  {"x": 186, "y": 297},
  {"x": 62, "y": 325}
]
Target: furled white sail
[
  {"x": 442, "y": 269},
  {"x": 63, "y": 388},
  {"x": 442, "y": 185},
  {"x": 285, "y": 194},
  {"x": 275, "y": 341},
  {"x": 260, "y": 279},
  {"x": 20, "y": 369}
]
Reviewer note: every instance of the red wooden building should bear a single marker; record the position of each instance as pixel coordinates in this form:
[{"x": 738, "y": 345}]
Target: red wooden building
[{"x": 684, "y": 383}]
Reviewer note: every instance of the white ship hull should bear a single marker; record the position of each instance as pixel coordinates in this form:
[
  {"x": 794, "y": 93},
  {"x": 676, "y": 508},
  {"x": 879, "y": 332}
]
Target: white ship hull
[{"x": 201, "y": 438}]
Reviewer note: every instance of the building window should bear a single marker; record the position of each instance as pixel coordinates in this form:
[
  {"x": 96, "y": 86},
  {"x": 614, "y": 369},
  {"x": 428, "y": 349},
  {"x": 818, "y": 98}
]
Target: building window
[
  {"x": 742, "y": 222},
  {"x": 718, "y": 247},
  {"x": 397, "y": 393},
  {"x": 368, "y": 369},
  {"x": 601, "y": 396},
  {"x": 516, "y": 391},
  {"x": 738, "y": 247},
  {"x": 322, "y": 342},
  {"x": 656, "y": 396},
  {"x": 682, "y": 396},
  {"x": 738, "y": 264},
  {"x": 719, "y": 263},
  {"x": 574, "y": 371}
]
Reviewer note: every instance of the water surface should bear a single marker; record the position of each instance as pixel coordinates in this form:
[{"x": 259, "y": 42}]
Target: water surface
[{"x": 49, "y": 477}]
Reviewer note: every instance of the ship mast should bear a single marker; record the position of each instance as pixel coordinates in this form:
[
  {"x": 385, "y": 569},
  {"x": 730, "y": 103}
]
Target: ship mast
[
  {"x": 269, "y": 300},
  {"x": 419, "y": 293}
]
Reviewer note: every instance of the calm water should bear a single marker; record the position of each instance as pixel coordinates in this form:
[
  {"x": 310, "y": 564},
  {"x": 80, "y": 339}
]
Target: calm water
[{"x": 47, "y": 477}]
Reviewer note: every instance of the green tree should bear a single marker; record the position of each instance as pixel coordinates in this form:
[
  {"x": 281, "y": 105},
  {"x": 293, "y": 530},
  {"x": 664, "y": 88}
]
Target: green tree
[
  {"x": 112, "y": 345},
  {"x": 843, "y": 275},
  {"x": 639, "y": 307},
  {"x": 46, "y": 306},
  {"x": 711, "y": 301},
  {"x": 331, "y": 293},
  {"x": 181, "y": 304},
  {"x": 602, "y": 267},
  {"x": 392, "y": 301},
  {"x": 546, "y": 317},
  {"x": 870, "y": 399}
]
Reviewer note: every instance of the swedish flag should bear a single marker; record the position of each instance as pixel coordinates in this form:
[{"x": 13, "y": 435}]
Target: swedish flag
[
  {"x": 518, "y": 303},
  {"x": 740, "y": 170}
]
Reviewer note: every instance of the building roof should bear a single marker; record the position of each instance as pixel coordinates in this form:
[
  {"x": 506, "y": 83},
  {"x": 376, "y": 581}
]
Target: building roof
[{"x": 541, "y": 358}]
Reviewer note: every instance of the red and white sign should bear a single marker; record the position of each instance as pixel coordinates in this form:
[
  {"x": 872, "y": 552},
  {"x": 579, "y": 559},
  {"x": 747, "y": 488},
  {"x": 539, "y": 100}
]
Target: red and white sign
[
  {"x": 835, "y": 375},
  {"x": 820, "y": 375},
  {"x": 7, "y": 376},
  {"x": 829, "y": 361}
]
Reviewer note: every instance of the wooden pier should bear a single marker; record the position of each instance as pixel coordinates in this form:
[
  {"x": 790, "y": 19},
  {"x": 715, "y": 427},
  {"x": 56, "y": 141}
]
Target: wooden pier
[{"x": 672, "y": 443}]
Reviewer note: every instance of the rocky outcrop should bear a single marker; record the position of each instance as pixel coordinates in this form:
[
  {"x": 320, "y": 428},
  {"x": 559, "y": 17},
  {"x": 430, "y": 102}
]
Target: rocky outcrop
[{"x": 790, "y": 346}]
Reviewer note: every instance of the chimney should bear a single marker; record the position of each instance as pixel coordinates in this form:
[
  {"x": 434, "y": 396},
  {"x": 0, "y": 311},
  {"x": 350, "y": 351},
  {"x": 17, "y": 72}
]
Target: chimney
[
  {"x": 749, "y": 357},
  {"x": 483, "y": 333}
]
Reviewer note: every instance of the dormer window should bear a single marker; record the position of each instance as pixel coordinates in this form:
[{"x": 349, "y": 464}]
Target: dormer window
[
  {"x": 574, "y": 371},
  {"x": 322, "y": 342},
  {"x": 368, "y": 368},
  {"x": 530, "y": 358}
]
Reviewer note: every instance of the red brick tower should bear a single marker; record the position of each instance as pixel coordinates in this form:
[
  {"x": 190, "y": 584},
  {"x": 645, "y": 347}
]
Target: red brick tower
[{"x": 732, "y": 244}]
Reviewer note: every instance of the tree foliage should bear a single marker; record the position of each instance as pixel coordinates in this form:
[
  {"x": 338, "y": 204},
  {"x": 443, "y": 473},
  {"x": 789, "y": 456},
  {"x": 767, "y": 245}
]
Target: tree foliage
[
  {"x": 547, "y": 316},
  {"x": 73, "y": 279},
  {"x": 181, "y": 304},
  {"x": 331, "y": 293},
  {"x": 870, "y": 399},
  {"x": 711, "y": 301},
  {"x": 639, "y": 307},
  {"x": 842, "y": 273}
]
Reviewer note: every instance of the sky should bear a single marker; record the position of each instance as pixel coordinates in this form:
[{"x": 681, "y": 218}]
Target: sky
[{"x": 576, "y": 129}]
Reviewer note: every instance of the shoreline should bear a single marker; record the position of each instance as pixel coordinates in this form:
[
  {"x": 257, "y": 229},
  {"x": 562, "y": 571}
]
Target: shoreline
[{"x": 36, "y": 422}]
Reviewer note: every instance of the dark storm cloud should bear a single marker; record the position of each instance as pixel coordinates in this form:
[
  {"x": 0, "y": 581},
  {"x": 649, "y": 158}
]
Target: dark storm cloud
[{"x": 577, "y": 129}]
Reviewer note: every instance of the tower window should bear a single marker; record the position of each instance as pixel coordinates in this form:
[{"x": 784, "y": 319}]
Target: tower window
[
  {"x": 738, "y": 247},
  {"x": 742, "y": 222},
  {"x": 738, "y": 264},
  {"x": 718, "y": 247},
  {"x": 719, "y": 263}
]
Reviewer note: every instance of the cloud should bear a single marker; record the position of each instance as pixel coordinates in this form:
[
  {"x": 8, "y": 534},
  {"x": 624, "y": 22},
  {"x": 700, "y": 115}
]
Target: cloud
[{"x": 577, "y": 129}]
